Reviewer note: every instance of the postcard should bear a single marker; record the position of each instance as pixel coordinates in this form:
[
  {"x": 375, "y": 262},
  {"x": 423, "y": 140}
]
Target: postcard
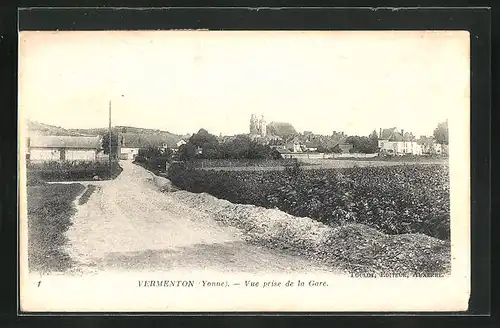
[{"x": 236, "y": 171}]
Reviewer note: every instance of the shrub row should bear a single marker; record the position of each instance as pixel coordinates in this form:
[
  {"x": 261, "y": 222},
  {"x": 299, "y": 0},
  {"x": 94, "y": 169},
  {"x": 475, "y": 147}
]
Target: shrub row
[
  {"x": 154, "y": 164},
  {"x": 71, "y": 171},
  {"x": 392, "y": 199}
]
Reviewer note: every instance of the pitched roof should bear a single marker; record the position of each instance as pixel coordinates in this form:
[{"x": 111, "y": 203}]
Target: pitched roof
[
  {"x": 283, "y": 151},
  {"x": 391, "y": 134},
  {"x": 312, "y": 144},
  {"x": 387, "y": 133},
  {"x": 408, "y": 136},
  {"x": 281, "y": 129},
  {"x": 65, "y": 142},
  {"x": 334, "y": 141}
]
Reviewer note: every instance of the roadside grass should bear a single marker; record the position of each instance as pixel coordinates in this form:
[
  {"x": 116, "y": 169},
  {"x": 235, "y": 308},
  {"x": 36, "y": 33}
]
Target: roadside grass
[{"x": 50, "y": 207}]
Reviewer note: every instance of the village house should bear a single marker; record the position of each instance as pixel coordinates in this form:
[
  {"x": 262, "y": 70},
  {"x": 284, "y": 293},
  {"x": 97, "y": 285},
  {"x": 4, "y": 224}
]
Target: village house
[
  {"x": 175, "y": 149},
  {"x": 284, "y": 152},
  {"x": 393, "y": 142},
  {"x": 63, "y": 148},
  {"x": 128, "y": 150},
  {"x": 295, "y": 145},
  {"x": 429, "y": 146},
  {"x": 180, "y": 143},
  {"x": 310, "y": 145}
]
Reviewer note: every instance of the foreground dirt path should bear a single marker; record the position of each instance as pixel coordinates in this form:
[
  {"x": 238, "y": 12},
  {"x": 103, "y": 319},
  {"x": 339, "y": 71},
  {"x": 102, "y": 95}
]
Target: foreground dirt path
[{"x": 127, "y": 224}]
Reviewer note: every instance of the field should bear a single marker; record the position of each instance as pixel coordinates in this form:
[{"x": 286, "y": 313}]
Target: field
[
  {"x": 50, "y": 207},
  {"x": 240, "y": 163},
  {"x": 394, "y": 199},
  {"x": 310, "y": 164}
]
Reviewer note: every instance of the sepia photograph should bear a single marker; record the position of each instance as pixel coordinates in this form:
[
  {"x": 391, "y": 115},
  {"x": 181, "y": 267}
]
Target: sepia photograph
[{"x": 244, "y": 170}]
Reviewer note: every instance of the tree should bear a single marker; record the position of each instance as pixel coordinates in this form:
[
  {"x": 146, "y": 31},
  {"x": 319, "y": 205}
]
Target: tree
[
  {"x": 242, "y": 147},
  {"x": 362, "y": 144},
  {"x": 167, "y": 152},
  {"x": 187, "y": 152},
  {"x": 149, "y": 153},
  {"x": 427, "y": 144},
  {"x": 374, "y": 139},
  {"x": 202, "y": 138},
  {"x": 207, "y": 142},
  {"x": 258, "y": 151},
  {"x": 114, "y": 143},
  {"x": 441, "y": 133}
]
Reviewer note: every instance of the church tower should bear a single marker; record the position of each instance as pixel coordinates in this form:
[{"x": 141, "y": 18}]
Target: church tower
[
  {"x": 253, "y": 124},
  {"x": 262, "y": 125}
]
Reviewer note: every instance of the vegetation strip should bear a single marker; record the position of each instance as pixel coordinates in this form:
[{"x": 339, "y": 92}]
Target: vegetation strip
[
  {"x": 50, "y": 209},
  {"x": 72, "y": 171}
]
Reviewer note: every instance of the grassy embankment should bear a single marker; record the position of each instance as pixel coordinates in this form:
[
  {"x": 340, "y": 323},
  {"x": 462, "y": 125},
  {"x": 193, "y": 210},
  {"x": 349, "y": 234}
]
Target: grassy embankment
[{"x": 50, "y": 207}]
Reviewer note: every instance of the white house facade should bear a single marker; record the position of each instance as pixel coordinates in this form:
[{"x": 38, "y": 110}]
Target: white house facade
[
  {"x": 180, "y": 143},
  {"x": 63, "y": 148},
  {"x": 129, "y": 153}
]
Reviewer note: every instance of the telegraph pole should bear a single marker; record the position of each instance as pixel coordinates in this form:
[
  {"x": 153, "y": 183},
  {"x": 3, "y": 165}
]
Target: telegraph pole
[{"x": 109, "y": 140}]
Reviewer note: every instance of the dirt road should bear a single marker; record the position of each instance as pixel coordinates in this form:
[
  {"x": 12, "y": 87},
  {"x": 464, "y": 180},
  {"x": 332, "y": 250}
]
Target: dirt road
[{"x": 127, "y": 224}]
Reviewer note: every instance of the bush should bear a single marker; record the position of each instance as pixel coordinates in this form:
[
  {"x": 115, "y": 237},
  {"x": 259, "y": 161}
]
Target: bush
[
  {"x": 156, "y": 164},
  {"x": 393, "y": 199}
]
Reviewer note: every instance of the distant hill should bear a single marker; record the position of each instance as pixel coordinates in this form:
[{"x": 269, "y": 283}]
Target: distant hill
[
  {"x": 138, "y": 137},
  {"x": 37, "y": 128},
  {"x": 133, "y": 137}
]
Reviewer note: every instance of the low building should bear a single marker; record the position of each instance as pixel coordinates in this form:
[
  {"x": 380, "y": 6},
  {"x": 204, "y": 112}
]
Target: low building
[
  {"x": 63, "y": 148},
  {"x": 180, "y": 143},
  {"x": 128, "y": 150},
  {"x": 129, "y": 153},
  {"x": 311, "y": 145}
]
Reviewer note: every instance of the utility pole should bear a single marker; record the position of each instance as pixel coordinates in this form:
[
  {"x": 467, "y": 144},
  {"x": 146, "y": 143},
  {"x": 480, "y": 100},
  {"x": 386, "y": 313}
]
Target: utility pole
[{"x": 109, "y": 140}]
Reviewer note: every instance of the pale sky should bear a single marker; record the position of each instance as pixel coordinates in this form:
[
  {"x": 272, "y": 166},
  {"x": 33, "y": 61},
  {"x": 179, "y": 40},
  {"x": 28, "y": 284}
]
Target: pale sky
[{"x": 181, "y": 81}]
